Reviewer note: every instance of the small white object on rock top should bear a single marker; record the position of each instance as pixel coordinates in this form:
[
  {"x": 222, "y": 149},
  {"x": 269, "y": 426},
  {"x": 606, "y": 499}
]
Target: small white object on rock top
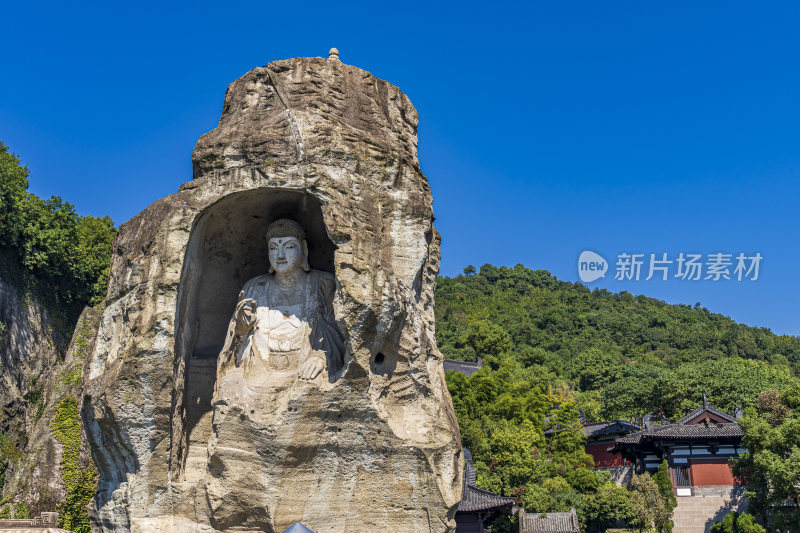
[{"x": 334, "y": 54}]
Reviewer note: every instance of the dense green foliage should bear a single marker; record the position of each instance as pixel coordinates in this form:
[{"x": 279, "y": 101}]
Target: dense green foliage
[
  {"x": 501, "y": 414},
  {"x": 8, "y": 451},
  {"x": 503, "y": 411},
  {"x": 16, "y": 510},
  {"x": 3, "y": 467},
  {"x": 651, "y": 512},
  {"x": 78, "y": 476},
  {"x": 8, "y": 454},
  {"x": 47, "y": 246},
  {"x": 668, "y": 499},
  {"x": 59, "y": 258},
  {"x": 625, "y": 356},
  {"x": 737, "y": 523},
  {"x": 607, "y": 506},
  {"x": 550, "y": 347},
  {"x": 771, "y": 466}
]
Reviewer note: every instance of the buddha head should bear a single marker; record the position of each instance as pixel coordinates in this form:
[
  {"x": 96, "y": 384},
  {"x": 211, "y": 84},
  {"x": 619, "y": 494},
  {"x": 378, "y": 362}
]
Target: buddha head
[{"x": 287, "y": 247}]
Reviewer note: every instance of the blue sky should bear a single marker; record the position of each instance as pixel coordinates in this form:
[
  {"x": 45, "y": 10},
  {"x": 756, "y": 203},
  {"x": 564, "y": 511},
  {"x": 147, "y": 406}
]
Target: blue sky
[{"x": 546, "y": 128}]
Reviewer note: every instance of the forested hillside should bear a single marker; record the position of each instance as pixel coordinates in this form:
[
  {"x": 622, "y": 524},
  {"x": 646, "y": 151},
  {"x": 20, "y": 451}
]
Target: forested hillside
[
  {"x": 551, "y": 348},
  {"x": 624, "y": 356}
]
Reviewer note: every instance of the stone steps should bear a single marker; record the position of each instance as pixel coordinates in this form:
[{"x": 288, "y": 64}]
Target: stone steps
[{"x": 696, "y": 514}]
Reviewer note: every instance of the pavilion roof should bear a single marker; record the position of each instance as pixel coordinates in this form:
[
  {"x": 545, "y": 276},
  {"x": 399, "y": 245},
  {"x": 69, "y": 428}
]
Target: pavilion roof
[
  {"x": 549, "y": 522},
  {"x": 683, "y": 431},
  {"x": 595, "y": 430},
  {"x": 475, "y": 499},
  {"x": 465, "y": 367},
  {"x": 706, "y": 408}
]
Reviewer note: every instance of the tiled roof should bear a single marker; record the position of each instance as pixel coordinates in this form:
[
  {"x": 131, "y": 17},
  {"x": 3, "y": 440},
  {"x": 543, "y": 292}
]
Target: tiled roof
[
  {"x": 465, "y": 367},
  {"x": 475, "y": 499},
  {"x": 697, "y": 412},
  {"x": 681, "y": 431},
  {"x": 602, "y": 429},
  {"x": 549, "y": 523}
]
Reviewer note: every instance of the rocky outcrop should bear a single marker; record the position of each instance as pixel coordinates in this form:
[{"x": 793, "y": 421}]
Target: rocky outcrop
[
  {"x": 37, "y": 375},
  {"x": 371, "y": 447}
]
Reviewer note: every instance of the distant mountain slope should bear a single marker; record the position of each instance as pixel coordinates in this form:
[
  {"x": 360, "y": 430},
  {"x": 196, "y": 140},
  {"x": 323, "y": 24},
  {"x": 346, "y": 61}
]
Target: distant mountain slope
[{"x": 625, "y": 355}]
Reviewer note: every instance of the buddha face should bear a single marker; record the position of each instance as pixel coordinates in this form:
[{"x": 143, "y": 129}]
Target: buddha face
[{"x": 286, "y": 254}]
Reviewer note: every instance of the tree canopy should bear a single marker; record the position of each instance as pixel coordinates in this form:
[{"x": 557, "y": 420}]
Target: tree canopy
[
  {"x": 771, "y": 466},
  {"x": 551, "y": 348},
  {"x": 47, "y": 246},
  {"x": 624, "y": 356}
]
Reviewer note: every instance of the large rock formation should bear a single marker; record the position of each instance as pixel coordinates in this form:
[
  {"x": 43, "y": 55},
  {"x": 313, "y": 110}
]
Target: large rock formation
[
  {"x": 373, "y": 446},
  {"x": 38, "y": 380}
]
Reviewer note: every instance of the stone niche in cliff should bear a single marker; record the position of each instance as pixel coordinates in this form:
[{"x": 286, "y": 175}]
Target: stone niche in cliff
[
  {"x": 226, "y": 248},
  {"x": 232, "y": 387}
]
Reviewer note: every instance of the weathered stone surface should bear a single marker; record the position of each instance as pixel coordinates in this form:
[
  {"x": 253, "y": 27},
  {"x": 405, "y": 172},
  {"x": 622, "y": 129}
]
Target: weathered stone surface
[
  {"x": 372, "y": 447},
  {"x": 37, "y": 372}
]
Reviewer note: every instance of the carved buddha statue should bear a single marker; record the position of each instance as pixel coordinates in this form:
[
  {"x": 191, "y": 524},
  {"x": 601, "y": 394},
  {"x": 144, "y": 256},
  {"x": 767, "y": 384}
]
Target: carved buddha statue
[{"x": 283, "y": 328}]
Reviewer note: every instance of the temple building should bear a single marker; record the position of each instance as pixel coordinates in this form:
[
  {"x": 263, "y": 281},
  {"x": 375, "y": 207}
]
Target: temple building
[
  {"x": 478, "y": 507},
  {"x": 697, "y": 449},
  {"x": 600, "y": 440}
]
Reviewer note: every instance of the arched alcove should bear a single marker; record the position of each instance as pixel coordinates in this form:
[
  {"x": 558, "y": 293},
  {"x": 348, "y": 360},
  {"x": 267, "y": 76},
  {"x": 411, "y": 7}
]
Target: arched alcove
[{"x": 226, "y": 248}]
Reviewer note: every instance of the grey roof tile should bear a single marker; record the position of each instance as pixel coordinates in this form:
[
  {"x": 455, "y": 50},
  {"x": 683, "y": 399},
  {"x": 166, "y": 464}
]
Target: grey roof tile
[
  {"x": 697, "y": 412},
  {"x": 681, "y": 431},
  {"x": 602, "y": 429},
  {"x": 465, "y": 367},
  {"x": 475, "y": 499},
  {"x": 550, "y": 522}
]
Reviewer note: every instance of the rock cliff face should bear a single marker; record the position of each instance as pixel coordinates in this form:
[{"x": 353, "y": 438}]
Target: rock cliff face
[
  {"x": 37, "y": 375},
  {"x": 373, "y": 447}
]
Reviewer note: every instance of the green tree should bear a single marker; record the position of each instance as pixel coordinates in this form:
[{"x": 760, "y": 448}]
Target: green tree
[
  {"x": 738, "y": 523},
  {"x": 664, "y": 484},
  {"x": 487, "y": 339},
  {"x": 650, "y": 512},
  {"x": 729, "y": 383},
  {"x": 596, "y": 368},
  {"x": 636, "y": 393},
  {"x": 771, "y": 466},
  {"x": 60, "y": 254},
  {"x": 13, "y": 184},
  {"x": 605, "y": 507},
  {"x": 639, "y": 354},
  {"x": 502, "y": 414}
]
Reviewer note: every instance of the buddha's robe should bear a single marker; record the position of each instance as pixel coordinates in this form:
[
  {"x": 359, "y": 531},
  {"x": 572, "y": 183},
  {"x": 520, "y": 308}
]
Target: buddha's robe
[{"x": 292, "y": 325}]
